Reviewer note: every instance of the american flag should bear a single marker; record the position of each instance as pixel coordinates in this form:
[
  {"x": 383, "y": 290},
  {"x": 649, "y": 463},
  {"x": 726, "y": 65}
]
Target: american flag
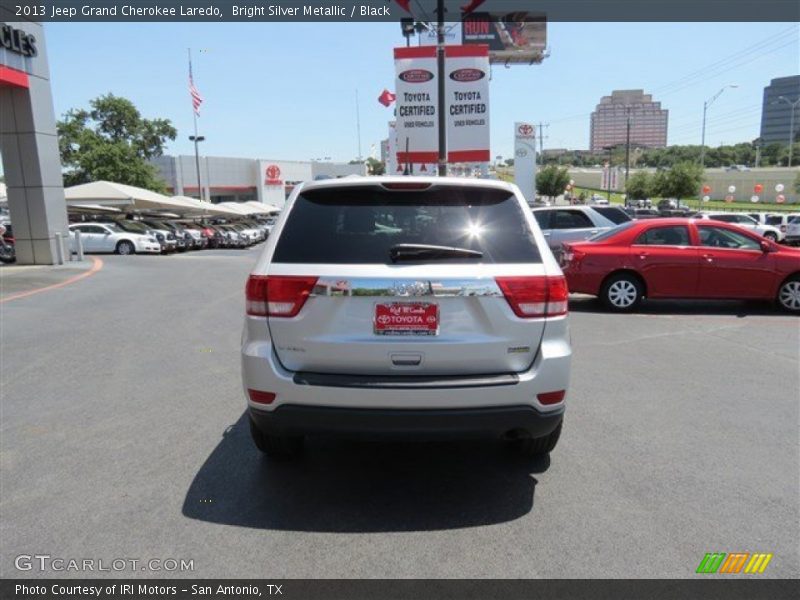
[{"x": 197, "y": 98}]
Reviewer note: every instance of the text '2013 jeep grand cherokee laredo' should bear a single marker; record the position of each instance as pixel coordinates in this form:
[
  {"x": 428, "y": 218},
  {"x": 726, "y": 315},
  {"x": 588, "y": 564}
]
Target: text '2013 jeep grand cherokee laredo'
[{"x": 413, "y": 306}]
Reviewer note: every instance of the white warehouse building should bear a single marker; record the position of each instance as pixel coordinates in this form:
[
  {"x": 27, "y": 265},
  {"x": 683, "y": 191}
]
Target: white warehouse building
[{"x": 244, "y": 179}]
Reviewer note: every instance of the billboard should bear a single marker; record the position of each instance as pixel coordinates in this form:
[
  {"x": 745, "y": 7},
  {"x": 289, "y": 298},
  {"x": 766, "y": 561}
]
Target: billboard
[
  {"x": 466, "y": 104},
  {"x": 517, "y": 37}
]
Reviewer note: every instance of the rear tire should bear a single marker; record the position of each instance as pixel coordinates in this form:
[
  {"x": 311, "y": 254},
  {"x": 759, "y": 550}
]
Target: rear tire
[
  {"x": 771, "y": 237},
  {"x": 276, "y": 446},
  {"x": 622, "y": 292},
  {"x": 789, "y": 295},
  {"x": 125, "y": 248},
  {"x": 537, "y": 447}
]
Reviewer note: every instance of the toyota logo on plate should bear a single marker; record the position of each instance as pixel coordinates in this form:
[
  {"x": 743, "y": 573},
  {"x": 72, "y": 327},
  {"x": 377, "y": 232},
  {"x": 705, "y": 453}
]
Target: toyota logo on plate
[
  {"x": 465, "y": 75},
  {"x": 416, "y": 76}
]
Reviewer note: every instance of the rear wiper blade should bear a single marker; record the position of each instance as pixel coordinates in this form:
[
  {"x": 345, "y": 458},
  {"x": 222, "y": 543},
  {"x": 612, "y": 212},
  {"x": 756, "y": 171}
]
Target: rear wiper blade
[{"x": 420, "y": 251}]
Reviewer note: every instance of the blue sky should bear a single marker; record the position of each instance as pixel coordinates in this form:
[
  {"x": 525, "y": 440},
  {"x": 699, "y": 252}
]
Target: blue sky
[{"x": 287, "y": 90}]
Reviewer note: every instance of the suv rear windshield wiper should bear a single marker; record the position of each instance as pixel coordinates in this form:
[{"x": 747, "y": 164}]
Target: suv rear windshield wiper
[{"x": 421, "y": 251}]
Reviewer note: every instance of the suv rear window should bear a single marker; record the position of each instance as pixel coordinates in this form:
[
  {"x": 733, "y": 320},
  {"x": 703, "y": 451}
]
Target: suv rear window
[
  {"x": 361, "y": 224},
  {"x": 613, "y": 214}
]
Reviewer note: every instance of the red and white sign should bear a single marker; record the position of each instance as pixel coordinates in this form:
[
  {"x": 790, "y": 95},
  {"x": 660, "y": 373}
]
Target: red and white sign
[
  {"x": 466, "y": 104},
  {"x": 417, "y": 126},
  {"x": 273, "y": 175},
  {"x": 407, "y": 318}
]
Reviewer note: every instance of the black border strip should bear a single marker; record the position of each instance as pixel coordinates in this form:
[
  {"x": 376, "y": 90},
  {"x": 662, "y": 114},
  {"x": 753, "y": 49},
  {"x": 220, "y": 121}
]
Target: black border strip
[
  {"x": 391, "y": 11},
  {"x": 745, "y": 587}
]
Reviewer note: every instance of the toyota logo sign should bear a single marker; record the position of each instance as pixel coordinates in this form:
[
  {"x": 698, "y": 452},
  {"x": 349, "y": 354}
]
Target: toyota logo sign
[{"x": 525, "y": 129}]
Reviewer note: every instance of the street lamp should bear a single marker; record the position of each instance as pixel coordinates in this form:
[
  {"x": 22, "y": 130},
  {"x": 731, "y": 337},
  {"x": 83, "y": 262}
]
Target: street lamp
[
  {"x": 791, "y": 121},
  {"x": 706, "y": 105},
  {"x": 197, "y": 139}
]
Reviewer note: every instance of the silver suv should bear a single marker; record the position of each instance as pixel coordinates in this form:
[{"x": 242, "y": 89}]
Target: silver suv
[{"x": 402, "y": 305}]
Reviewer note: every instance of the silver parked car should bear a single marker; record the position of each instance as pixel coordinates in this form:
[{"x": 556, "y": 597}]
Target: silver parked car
[
  {"x": 742, "y": 220},
  {"x": 406, "y": 305},
  {"x": 105, "y": 237},
  {"x": 570, "y": 224}
]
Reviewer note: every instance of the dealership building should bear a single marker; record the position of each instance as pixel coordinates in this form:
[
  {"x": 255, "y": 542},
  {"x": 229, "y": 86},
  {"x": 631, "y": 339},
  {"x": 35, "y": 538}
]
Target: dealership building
[
  {"x": 28, "y": 143},
  {"x": 243, "y": 179}
]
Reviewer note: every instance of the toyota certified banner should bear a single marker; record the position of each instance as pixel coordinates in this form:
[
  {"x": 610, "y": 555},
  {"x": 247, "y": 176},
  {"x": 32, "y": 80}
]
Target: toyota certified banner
[
  {"x": 467, "y": 98},
  {"x": 416, "y": 127},
  {"x": 466, "y": 104}
]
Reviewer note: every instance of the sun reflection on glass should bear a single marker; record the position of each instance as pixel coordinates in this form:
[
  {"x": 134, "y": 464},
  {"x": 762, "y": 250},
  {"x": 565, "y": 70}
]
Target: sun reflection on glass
[{"x": 475, "y": 229}]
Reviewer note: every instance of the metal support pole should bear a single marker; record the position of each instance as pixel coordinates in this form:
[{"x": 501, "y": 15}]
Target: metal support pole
[
  {"x": 197, "y": 161},
  {"x": 440, "y": 68},
  {"x": 59, "y": 248},
  {"x": 791, "y": 132},
  {"x": 703, "y": 140},
  {"x": 628, "y": 147},
  {"x": 78, "y": 245}
]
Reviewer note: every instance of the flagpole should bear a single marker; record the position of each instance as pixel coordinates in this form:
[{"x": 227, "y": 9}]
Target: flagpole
[{"x": 195, "y": 138}]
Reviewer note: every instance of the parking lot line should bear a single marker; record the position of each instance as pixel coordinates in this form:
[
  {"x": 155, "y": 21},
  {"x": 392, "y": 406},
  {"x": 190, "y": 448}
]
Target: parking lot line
[{"x": 98, "y": 264}]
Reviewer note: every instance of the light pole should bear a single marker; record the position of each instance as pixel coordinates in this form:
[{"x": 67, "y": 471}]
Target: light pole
[
  {"x": 791, "y": 121},
  {"x": 197, "y": 139},
  {"x": 706, "y": 105}
]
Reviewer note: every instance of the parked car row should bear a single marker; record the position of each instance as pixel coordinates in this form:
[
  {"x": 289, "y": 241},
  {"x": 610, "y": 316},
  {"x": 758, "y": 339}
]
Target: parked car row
[{"x": 151, "y": 235}]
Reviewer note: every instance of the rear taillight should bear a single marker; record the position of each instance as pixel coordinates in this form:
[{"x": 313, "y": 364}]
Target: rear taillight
[
  {"x": 261, "y": 397},
  {"x": 539, "y": 296},
  {"x": 551, "y": 397},
  {"x": 277, "y": 295},
  {"x": 783, "y": 228}
]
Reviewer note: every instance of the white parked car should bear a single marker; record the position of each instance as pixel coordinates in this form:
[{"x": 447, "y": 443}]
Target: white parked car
[
  {"x": 781, "y": 221},
  {"x": 793, "y": 229},
  {"x": 748, "y": 222},
  {"x": 406, "y": 305},
  {"x": 104, "y": 237}
]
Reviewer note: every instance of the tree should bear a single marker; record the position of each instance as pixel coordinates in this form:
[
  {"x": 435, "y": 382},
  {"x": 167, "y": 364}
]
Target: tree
[
  {"x": 552, "y": 181},
  {"x": 509, "y": 162},
  {"x": 681, "y": 181},
  {"x": 113, "y": 142},
  {"x": 639, "y": 186},
  {"x": 375, "y": 167}
]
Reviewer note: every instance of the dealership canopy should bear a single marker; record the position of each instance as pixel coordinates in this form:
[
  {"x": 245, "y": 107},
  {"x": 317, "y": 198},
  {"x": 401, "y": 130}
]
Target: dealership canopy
[
  {"x": 262, "y": 207},
  {"x": 241, "y": 208},
  {"x": 106, "y": 193},
  {"x": 205, "y": 208}
]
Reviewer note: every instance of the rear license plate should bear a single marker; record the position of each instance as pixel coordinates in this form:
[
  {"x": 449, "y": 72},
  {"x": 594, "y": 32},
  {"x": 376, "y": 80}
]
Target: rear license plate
[{"x": 407, "y": 318}]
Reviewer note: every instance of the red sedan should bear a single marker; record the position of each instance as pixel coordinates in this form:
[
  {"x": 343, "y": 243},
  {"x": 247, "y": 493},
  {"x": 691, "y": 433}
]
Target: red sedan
[{"x": 682, "y": 258}]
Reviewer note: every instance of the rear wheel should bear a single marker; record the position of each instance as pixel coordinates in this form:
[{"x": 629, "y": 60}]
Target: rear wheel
[
  {"x": 771, "y": 236},
  {"x": 276, "y": 446},
  {"x": 538, "y": 446},
  {"x": 622, "y": 292},
  {"x": 125, "y": 247},
  {"x": 789, "y": 294}
]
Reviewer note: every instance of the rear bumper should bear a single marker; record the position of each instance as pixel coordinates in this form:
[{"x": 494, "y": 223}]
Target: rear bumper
[
  {"x": 501, "y": 421},
  {"x": 405, "y": 390}
]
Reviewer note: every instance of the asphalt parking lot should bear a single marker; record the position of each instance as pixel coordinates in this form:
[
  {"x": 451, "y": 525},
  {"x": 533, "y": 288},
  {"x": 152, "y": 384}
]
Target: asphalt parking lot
[{"x": 122, "y": 435}]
